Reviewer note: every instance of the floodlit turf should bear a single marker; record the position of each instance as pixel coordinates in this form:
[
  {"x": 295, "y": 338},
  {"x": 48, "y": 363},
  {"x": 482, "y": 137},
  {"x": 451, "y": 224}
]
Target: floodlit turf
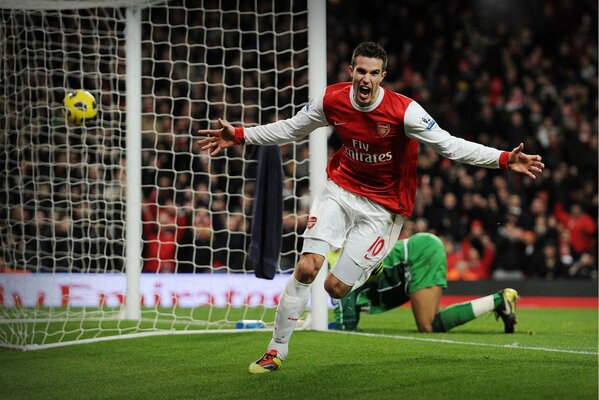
[
  {"x": 553, "y": 355},
  {"x": 47, "y": 325}
]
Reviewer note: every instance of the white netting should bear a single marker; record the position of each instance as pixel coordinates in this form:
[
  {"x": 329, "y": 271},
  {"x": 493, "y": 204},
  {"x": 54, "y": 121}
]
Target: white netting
[{"x": 63, "y": 187}]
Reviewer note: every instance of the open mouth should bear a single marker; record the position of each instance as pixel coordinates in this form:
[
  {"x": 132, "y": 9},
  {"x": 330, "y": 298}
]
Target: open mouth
[{"x": 364, "y": 92}]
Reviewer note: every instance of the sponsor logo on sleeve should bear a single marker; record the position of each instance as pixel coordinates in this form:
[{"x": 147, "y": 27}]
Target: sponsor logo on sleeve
[
  {"x": 309, "y": 106},
  {"x": 311, "y": 221},
  {"x": 428, "y": 122}
]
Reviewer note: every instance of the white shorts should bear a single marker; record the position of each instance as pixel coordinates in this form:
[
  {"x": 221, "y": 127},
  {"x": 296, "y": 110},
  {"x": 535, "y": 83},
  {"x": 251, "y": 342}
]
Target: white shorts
[{"x": 364, "y": 229}]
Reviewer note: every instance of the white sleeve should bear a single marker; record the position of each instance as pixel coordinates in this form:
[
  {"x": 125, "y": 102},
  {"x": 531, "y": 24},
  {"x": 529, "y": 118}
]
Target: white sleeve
[
  {"x": 422, "y": 127},
  {"x": 310, "y": 117}
]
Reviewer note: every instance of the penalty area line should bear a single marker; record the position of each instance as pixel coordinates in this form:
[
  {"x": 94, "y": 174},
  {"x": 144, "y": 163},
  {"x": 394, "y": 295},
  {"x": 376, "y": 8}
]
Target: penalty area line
[{"x": 448, "y": 341}]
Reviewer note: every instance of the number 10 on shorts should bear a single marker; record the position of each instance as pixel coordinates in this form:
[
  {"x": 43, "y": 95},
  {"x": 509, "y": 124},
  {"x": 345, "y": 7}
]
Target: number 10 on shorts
[{"x": 375, "y": 248}]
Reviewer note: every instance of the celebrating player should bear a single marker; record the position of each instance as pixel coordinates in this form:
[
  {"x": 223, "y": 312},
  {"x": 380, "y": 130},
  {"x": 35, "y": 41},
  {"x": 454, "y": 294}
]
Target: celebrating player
[
  {"x": 371, "y": 180},
  {"x": 415, "y": 270}
]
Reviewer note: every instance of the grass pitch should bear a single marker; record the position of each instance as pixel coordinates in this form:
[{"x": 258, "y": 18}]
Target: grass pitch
[{"x": 553, "y": 355}]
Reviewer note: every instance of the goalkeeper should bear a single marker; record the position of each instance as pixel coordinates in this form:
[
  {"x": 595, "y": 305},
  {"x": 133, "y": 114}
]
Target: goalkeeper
[{"x": 415, "y": 270}]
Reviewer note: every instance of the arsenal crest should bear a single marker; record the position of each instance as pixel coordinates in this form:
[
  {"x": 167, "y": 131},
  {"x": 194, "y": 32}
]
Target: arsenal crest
[
  {"x": 311, "y": 222},
  {"x": 383, "y": 128}
]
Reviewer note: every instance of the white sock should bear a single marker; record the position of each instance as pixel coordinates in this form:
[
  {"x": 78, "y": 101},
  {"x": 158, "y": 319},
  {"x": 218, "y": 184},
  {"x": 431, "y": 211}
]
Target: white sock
[
  {"x": 291, "y": 304},
  {"x": 482, "y": 305}
]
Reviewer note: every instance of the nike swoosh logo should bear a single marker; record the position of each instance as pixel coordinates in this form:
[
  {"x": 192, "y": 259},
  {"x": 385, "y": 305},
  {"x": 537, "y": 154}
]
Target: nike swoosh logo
[{"x": 339, "y": 123}]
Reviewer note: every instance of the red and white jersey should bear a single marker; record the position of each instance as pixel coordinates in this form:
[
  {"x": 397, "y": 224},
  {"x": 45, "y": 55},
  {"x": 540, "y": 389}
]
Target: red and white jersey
[{"x": 378, "y": 158}]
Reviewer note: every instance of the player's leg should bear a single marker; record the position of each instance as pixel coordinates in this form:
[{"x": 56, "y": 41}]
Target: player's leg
[
  {"x": 503, "y": 303},
  {"x": 326, "y": 227},
  {"x": 425, "y": 306},
  {"x": 345, "y": 309},
  {"x": 369, "y": 241},
  {"x": 292, "y": 302},
  {"x": 428, "y": 268},
  {"x": 385, "y": 290},
  {"x": 347, "y": 312},
  {"x": 336, "y": 285},
  {"x": 459, "y": 314},
  {"x": 343, "y": 276},
  {"x": 427, "y": 277}
]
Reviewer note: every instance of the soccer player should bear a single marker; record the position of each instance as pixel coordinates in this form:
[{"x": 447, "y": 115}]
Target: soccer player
[
  {"x": 415, "y": 270},
  {"x": 371, "y": 180}
]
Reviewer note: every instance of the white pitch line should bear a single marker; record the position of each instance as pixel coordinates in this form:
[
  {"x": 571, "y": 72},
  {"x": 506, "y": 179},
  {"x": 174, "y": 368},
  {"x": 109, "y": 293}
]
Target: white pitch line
[
  {"x": 125, "y": 336},
  {"x": 448, "y": 341},
  {"x": 228, "y": 331}
]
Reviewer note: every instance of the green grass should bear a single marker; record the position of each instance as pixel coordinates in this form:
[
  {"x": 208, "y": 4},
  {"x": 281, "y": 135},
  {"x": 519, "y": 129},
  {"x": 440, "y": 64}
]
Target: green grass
[
  {"x": 485, "y": 364},
  {"x": 46, "y": 325}
]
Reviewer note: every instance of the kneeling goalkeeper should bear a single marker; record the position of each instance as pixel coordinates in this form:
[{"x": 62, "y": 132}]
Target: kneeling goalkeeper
[{"x": 415, "y": 271}]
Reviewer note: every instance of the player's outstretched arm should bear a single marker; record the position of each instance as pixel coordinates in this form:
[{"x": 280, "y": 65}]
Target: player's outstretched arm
[
  {"x": 217, "y": 139},
  {"x": 530, "y": 165}
]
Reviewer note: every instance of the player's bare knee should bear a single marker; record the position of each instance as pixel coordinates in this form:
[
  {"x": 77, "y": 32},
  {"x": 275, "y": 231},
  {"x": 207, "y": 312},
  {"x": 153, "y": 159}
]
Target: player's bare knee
[
  {"x": 336, "y": 289},
  {"x": 308, "y": 266}
]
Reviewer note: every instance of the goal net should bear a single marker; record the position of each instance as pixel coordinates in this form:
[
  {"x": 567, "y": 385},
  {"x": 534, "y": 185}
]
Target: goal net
[{"x": 63, "y": 187}]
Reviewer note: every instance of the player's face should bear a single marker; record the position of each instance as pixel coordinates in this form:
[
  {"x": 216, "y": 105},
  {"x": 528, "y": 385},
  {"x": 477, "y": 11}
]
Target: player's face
[{"x": 367, "y": 75}]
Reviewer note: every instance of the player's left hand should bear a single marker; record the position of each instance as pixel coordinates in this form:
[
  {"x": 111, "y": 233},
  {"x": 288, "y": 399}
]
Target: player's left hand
[{"x": 530, "y": 165}]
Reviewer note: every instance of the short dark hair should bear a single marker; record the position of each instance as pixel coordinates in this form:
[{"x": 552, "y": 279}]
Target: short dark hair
[{"x": 370, "y": 50}]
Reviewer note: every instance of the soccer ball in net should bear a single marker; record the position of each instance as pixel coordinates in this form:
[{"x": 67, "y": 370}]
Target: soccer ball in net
[{"x": 80, "y": 106}]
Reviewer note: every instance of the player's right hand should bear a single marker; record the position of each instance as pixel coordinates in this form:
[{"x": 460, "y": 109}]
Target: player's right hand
[{"x": 217, "y": 139}]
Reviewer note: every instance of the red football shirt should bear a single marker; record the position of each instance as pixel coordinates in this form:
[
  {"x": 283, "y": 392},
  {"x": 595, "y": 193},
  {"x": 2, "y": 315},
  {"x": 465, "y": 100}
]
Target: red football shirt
[{"x": 377, "y": 159}]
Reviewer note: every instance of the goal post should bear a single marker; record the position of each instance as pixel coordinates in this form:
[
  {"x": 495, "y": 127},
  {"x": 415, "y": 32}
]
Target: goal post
[
  {"x": 122, "y": 226},
  {"x": 317, "y": 56},
  {"x": 133, "y": 229}
]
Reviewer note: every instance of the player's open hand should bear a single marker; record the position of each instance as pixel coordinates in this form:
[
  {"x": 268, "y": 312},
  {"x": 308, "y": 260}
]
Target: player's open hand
[
  {"x": 524, "y": 163},
  {"x": 217, "y": 139}
]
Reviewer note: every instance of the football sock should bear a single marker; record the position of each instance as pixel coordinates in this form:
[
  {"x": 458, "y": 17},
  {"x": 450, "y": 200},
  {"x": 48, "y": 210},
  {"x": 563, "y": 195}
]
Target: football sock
[
  {"x": 291, "y": 304},
  {"x": 347, "y": 311},
  {"x": 459, "y": 314},
  {"x": 497, "y": 300}
]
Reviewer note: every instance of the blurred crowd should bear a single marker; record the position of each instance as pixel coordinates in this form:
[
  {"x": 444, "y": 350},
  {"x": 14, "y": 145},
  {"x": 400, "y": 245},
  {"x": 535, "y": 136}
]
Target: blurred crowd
[{"x": 498, "y": 74}]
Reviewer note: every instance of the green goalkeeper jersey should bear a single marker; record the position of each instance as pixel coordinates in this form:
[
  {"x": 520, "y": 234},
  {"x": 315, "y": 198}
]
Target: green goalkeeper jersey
[
  {"x": 423, "y": 256},
  {"x": 415, "y": 263}
]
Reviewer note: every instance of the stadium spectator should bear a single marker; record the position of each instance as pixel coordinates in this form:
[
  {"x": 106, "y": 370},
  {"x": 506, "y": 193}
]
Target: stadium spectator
[
  {"x": 582, "y": 229},
  {"x": 162, "y": 236},
  {"x": 547, "y": 263},
  {"x": 358, "y": 208},
  {"x": 195, "y": 245},
  {"x": 446, "y": 218},
  {"x": 585, "y": 267},
  {"x": 475, "y": 259}
]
